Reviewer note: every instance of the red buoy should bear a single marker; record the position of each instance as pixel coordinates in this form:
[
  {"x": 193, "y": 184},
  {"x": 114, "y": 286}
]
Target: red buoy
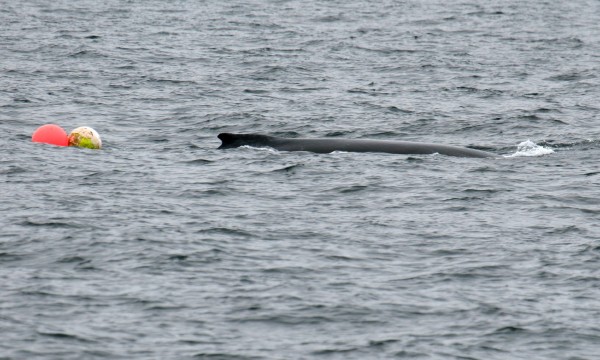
[{"x": 51, "y": 134}]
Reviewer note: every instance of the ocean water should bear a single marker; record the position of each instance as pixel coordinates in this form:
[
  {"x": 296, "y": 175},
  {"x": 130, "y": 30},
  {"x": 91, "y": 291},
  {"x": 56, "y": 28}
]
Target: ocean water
[{"x": 161, "y": 246}]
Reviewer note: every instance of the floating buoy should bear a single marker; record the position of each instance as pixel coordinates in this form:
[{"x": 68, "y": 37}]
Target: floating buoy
[
  {"x": 85, "y": 137},
  {"x": 50, "y": 134}
]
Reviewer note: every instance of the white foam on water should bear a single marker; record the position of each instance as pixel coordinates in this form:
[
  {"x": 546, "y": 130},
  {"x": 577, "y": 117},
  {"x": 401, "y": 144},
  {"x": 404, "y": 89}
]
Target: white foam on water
[
  {"x": 261, "y": 148},
  {"x": 529, "y": 148}
]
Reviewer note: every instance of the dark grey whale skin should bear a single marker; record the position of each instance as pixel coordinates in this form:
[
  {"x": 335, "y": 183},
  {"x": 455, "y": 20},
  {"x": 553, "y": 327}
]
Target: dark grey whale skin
[{"x": 327, "y": 145}]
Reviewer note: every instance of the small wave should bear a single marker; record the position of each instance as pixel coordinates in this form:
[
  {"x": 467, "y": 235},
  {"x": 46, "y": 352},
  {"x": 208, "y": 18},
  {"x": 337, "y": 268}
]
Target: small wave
[
  {"x": 529, "y": 148},
  {"x": 289, "y": 168}
]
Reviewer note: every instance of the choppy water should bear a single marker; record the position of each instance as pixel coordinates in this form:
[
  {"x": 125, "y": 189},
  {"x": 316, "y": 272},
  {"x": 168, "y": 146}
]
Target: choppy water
[{"x": 159, "y": 246}]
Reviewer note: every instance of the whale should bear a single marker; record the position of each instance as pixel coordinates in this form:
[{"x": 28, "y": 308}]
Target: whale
[{"x": 328, "y": 145}]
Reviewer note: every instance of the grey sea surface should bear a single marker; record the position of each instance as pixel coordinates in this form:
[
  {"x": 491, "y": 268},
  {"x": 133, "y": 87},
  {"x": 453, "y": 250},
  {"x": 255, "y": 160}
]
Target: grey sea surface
[{"x": 161, "y": 246}]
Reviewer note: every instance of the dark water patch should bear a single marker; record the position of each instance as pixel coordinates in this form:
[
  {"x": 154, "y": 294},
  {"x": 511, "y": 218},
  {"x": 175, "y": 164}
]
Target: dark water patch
[
  {"x": 256, "y": 91},
  {"x": 485, "y": 93},
  {"x": 483, "y": 191},
  {"x": 465, "y": 199},
  {"x": 591, "y": 248},
  {"x": 293, "y": 90},
  {"x": 330, "y": 18},
  {"x": 51, "y": 223},
  {"x": 334, "y": 351},
  {"x": 546, "y": 110},
  {"x": 204, "y": 193},
  {"x": 485, "y": 271},
  {"x": 359, "y": 90},
  {"x": 86, "y": 54},
  {"x": 567, "y": 42},
  {"x": 557, "y": 121},
  {"x": 126, "y": 67},
  {"x": 178, "y": 257},
  {"x": 484, "y": 13},
  {"x": 177, "y": 82},
  {"x": 407, "y": 354},
  {"x": 164, "y": 308},
  {"x": 64, "y": 336},
  {"x": 197, "y": 258},
  {"x": 13, "y": 169},
  {"x": 579, "y": 145},
  {"x": 22, "y": 100},
  {"x": 387, "y": 50},
  {"x": 120, "y": 86},
  {"x": 412, "y": 159},
  {"x": 286, "y": 319},
  {"x": 165, "y": 33},
  {"x": 529, "y": 117},
  {"x": 74, "y": 259},
  {"x": 487, "y": 169},
  {"x": 573, "y": 76},
  {"x": 298, "y": 270},
  {"x": 225, "y": 231},
  {"x": 351, "y": 189},
  {"x": 385, "y": 342},
  {"x": 383, "y": 135},
  {"x": 341, "y": 258},
  {"x": 590, "y": 211},
  {"x": 383, "y": 107},
  {"x": 566, "y": 230},
  {"x": 509, "y": 330},
  {"x": 225, "y": 356},
  {"x": 198, "y": 161},
  {"x": 395, "y": 109},
  {"x": 194, "y": 146},
  {"x": 8, "y": 257},
  {"x": 158, "y": 139},
  {"x": 451, "y": 252}
]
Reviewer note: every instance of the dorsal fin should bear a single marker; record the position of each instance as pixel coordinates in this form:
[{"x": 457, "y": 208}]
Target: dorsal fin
[{"x": 236, "y": 140}]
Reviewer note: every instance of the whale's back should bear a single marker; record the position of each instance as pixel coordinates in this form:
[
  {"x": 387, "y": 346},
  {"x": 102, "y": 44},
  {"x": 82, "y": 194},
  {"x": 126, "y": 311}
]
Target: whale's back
[{"x": 328, "y": 145}]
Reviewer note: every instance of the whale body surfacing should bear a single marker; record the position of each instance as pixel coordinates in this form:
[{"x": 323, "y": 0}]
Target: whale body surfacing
[{"x": 328, "y": 145}]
